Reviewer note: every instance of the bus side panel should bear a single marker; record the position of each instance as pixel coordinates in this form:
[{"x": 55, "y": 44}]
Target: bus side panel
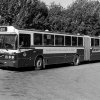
[
  {"x": 27, "y": 58},
  {"x": 80, "y": 52},
  {"x": 59, "y": 58},
  {"x": 54, "y": 58},
  {"x": 95, "y": 54},
  {"x": 63, "y": 57},
  {"x": 69, "y": 57}
]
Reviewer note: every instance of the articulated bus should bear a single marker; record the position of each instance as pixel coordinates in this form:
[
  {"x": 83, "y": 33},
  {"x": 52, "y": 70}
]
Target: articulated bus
[{"x": 24, "y": 48}]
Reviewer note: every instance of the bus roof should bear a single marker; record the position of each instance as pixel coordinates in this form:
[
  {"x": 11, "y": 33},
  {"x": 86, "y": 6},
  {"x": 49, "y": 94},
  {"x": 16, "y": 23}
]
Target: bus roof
[
  {"x": 8, "y": 29},
  {"x": 13, "y": 30}
]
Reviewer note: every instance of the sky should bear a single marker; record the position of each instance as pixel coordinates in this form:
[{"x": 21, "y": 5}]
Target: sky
[{"x": 63, "y": 3}]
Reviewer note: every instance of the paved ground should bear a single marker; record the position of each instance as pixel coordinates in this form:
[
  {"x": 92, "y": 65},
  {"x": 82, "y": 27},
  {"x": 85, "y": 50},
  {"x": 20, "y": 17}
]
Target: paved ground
[{"x": 65, "y": 83}]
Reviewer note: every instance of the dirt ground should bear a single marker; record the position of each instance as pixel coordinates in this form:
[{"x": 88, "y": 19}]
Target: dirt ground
[{"x": 64, "y": 83}]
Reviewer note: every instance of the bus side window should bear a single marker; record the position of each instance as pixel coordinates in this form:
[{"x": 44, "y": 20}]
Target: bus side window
[
  {"x": 48, "y": 39},
  {"x": 92, "y": 41},
  {"x": 96, "y": 42},
  {"x": 68, "y": 40},
  {"x": 24, "y": 40},
  {"x": 37, "y": 39},
  {"x": 80, "y": 41},
  {"x": 74, "y": 41},
  {"x": 59, "y": 40}
]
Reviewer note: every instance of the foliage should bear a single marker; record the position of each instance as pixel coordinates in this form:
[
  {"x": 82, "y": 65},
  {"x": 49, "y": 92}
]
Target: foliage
[
  {"x": 83, "y": 16},
  {"x": 55, "y": 20},
  {"x": 23, "y": 13}
]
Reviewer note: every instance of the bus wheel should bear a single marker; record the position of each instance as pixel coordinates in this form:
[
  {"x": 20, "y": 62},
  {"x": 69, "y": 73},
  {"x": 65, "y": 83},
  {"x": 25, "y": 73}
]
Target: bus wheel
[
  {"x": 76, "y": 60},
  {"x": 39, "y": 63}
]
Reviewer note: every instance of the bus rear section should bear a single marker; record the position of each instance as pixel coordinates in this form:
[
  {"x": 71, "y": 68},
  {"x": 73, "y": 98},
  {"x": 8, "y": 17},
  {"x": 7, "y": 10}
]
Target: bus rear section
[
  {"x": 95, "y": 48},
  {"x": 91, "y": 48}
]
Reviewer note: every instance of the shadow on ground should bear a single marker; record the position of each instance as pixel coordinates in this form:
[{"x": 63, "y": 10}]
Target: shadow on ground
[{"x": 53, "y": 66}]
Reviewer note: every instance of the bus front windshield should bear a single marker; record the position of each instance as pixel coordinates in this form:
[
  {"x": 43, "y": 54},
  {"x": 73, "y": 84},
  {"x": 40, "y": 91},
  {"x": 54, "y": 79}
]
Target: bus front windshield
[{"x": 7, "y": 41}]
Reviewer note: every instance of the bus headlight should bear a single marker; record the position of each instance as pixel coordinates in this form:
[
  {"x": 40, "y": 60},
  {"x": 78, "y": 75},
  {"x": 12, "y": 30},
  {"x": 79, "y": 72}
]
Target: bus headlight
[
  {"x": 9, "y": 57},
  {"x": 12, "y": 57},
  {"x": 6, "y": 56}
]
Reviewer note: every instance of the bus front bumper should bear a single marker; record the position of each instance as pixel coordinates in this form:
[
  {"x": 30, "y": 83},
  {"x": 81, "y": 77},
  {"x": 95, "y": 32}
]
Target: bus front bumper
[{"x": 8, "y": 63}]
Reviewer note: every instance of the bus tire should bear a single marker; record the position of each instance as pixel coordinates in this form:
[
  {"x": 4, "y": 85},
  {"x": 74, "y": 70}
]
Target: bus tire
[
  {"x": 39, "y": 63},
  {"x": 76, "y": 60}
]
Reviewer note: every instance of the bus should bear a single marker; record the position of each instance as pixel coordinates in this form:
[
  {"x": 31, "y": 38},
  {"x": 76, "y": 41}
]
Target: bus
[{"x": 30, "y": 47}]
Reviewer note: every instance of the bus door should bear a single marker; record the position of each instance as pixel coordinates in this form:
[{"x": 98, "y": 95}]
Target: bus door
[{"x": 87, "y": 47}]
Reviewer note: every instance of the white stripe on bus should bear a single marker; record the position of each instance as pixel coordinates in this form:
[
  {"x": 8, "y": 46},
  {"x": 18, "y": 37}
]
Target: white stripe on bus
[
  {"x": 52, "y": 50},
  {"x": 46, "y": 50}
]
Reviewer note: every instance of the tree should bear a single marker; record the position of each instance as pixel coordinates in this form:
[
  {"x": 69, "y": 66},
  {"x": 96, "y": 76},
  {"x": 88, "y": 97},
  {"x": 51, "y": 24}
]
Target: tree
[
  {"x": 83, "y": 16},
  {"x": 55, "y": 20},
  {"x": 23, "y": 13}
]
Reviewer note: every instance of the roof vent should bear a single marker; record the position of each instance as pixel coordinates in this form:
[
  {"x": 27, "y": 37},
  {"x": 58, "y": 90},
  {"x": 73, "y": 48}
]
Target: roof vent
[{"x": 47, "y": 30}]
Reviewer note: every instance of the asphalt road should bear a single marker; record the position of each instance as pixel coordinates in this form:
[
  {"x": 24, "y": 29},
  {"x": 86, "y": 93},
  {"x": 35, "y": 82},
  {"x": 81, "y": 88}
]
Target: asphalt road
[{"x": 63, "y": 83}]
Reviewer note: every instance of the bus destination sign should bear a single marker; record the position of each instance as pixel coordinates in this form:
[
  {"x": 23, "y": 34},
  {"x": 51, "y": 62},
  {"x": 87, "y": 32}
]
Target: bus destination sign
[{"x": 3, "y": 29}]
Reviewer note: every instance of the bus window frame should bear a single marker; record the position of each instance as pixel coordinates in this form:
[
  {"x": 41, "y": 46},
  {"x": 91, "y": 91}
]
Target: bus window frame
[
  {"x": 63, "y": 40},
  {"x": 95, "y": 42},
  {"x": 41, "y": 38},
  {"x": 16, "y": 42},
  {"x": 76, "y": 41},
  {"x": 51, "y": 39},
  {"x": 16, "y": 39},
  {"x": 70, "y": 40},
  {"x": 20, "y": 46}
]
